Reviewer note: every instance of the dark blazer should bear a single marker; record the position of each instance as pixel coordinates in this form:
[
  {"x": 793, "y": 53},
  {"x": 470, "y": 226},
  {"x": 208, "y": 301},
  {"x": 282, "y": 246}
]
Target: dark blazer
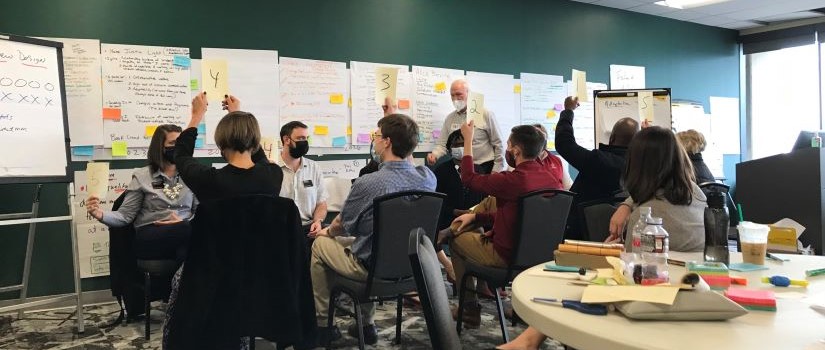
[
  {"x": 245, "y": 275},
  {"x": 700, "y": 169}
]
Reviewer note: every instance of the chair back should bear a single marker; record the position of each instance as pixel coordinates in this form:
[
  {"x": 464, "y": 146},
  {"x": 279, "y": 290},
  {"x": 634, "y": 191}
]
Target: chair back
[
  {"x": 432, "y": 292},
  {"x": 595, "y": 217},
  {"x": 394, "y": 215},
  {"x": 541, "y": 223}
]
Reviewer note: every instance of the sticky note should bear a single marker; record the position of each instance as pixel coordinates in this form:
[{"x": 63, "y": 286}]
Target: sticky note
[
  {"x": 645, "y": 105},
  {"x": 580, "y": 85},
  {"x": 436, "y": 134},
  {"x": 517, "y": 88},
  {"x": 193, "y": 85},
  {"x": 551, "y": 114},
  {"x": 199, "y": 142},
  {"x": 349, "y": 102},
  {"x": 83, "y": 150},
  {"x": 403, "y": 104},
  {"x": 119, "y": 148},
  {"x": 202, "y": 129},
  {"x": 421, "y": 137},
  {"x": 440, "y": 87},
  {"x": 551, "y": 145},
  {"x": 111, "y": 113},
  {"x": 386, "y": 79},
  {"x": 559, "y": 107},
  {"x": 336, "y": 99},
  {"x": 150, "y": 130},
  {"x": 181, "y": 61},
  {"x": 215, "y": 79},
  {"x": 339, "y": 141},
  {"x": 475, "y": 110},
  {"x": 364, "y": 138},
  {"x": 321, "y": 130}
]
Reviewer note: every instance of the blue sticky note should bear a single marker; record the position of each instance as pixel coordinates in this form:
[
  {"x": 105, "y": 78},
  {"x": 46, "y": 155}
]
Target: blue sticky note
[
  {"x": 339, "y": 141},
  {"x": 181, "y": 61},
  {"x": 746, "y": 267},
  {"x": 199, "y": 143},
  {"x": 202, "y": 129},
  {"x": 83, "y": 150}
]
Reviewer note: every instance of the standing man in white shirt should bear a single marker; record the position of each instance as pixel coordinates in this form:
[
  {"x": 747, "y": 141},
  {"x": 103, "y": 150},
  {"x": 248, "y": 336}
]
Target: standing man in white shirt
[
  {"x": 487, "y": 149},
  {"x": 303, "y": 179}
]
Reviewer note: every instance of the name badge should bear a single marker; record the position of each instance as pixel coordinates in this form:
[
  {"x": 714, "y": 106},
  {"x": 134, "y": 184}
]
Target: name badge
[
  {"x": 307, "y": 183},
  {"x": 157, "y": 184}
]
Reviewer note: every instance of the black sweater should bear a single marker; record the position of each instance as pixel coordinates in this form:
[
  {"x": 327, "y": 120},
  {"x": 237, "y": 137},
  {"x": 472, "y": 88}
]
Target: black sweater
[{"x": 700, "y": 169}]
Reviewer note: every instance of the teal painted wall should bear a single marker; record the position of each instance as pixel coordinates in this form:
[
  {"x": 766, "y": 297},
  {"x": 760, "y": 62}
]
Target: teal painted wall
[{"x": 499, "y": 36}]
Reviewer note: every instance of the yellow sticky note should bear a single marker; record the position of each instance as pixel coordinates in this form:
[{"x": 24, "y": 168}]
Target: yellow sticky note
[
  {"x": 215, "y": 79},
  {"x": 349, "y": 103},
  {"x": 349, "y": 130},
  {"x": 386, "y": 80},
  {"x": 551, "y": 145},
  {"x": 119, "y": 148},
  {"x": 268, "y": 145},
  {"x": 551, "y": 114},
  {"x": 97, "y": 175},
  {"x": 608, "y": 294},
  {"x": 336, "y": 99},
  {"x": 150, "y": 130},
  {"x": 321, "y": 130},
  {"x": 645, "y": 105},
  {"x": 517, "y": 89},
  {"x": 440, "y": 87},
  {"x": 580, "y": 85}
]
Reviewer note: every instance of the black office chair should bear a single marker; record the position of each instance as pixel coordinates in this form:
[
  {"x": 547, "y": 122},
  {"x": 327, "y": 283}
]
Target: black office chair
[
  {"x": 431, "y": 291},
  {"x": 733, "y": 211},
  {"x": 389, "y": 274},
  {"x": 542, "y": 217},
  {"x": 595, "y": 217}
]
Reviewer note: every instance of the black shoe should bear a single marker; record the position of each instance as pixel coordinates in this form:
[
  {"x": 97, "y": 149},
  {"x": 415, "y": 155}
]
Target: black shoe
[
  {"x": 327, "y": 335},
  {"x": 370, "y": 333}
]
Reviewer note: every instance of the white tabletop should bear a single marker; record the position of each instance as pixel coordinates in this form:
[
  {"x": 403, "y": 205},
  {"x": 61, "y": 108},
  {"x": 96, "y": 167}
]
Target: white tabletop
[{"x": 795, "y": 325}]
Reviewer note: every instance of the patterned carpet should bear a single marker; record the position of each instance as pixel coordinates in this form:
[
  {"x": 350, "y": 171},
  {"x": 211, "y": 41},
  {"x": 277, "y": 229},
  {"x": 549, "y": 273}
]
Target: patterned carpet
[{"x": 55, "y": 330}]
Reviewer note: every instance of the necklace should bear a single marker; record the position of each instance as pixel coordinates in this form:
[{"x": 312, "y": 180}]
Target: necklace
[{"x": 172, "y": 192}]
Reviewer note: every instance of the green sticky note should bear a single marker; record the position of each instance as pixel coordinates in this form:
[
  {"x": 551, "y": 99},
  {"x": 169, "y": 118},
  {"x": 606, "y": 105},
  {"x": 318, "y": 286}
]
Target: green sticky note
[
  {"x": 119, "y": 148},
  {"x": 193, "y": 84}
]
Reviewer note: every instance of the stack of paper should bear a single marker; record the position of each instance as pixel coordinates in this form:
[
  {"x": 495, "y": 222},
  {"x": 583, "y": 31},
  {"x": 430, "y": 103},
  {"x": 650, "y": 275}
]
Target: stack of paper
[{"x": 762, "y": 300}]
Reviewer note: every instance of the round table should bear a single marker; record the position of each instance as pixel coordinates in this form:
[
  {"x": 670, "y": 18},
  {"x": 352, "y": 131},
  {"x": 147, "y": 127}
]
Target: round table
[{"x": 795, "y": 325}]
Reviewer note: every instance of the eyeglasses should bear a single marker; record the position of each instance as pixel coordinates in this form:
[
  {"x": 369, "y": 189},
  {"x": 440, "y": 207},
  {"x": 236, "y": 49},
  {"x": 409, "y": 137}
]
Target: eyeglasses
[{"x": 375, "y": 136}]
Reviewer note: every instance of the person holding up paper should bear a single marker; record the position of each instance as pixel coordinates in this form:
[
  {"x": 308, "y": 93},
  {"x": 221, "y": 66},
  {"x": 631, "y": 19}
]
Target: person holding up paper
[
  {"x": 599, "y": 169},
  {"x": 303, "y": 179},
  {"x": 157, "y": 202},
  {"x": 487, "y": 147}
]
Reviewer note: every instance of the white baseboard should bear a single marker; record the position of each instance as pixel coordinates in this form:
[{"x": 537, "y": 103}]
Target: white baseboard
[{"x": 89, "y": 298}]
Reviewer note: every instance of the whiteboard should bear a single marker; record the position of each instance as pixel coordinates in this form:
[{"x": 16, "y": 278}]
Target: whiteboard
[
  {"x": 34, "y": 146},
  {"x": 612, "y": 105}
]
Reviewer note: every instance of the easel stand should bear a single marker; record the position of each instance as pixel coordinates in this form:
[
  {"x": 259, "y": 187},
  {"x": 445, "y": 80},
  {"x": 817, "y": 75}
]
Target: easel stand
[{"x": 31, "y": 219}]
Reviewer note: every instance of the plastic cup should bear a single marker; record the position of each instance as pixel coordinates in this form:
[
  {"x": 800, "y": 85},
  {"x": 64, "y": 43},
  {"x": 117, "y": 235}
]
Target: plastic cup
[{"x": 753, "y": 239}]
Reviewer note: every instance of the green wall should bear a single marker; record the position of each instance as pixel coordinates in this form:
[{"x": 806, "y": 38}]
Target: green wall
[{"x": 498, "y": 36}]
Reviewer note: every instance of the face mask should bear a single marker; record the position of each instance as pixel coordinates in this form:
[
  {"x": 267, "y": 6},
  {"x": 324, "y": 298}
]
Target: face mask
[
  {"x": 459, "y": 104},
  {"x": 376, "y": 156},
  {"x": 301, "y": 148},
  {"x": 457, "y": 153},
  {"x": 169, "y": 154},
  {"x": 510, "y": 158}
]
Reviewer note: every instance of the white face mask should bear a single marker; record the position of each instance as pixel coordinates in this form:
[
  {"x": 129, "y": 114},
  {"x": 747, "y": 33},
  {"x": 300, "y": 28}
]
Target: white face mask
[
  {"x": 459, "y": 104},
  {"x": 457, "y": 153}
]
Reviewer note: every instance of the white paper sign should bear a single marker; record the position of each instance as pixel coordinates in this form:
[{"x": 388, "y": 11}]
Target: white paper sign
[{"x": 626, "y": 77}]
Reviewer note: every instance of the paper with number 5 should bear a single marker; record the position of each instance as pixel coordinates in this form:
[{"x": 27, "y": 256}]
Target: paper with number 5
[
  {"x": 386, "y": 81},
  {"x": 98, "y": 179},
  {"x": 215, "y": 79},
  {"x": 475, "y": 110}
]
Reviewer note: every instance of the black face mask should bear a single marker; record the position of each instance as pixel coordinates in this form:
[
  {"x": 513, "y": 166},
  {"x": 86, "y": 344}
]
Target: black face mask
[
  {"x": 169, "y": 154},
  {"x": 301, "y": 148}
]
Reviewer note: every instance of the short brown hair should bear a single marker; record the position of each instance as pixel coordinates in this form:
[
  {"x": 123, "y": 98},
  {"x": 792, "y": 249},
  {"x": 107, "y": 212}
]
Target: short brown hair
[
  {"x": 656, "y": 161},
  {"x": 238, "y": 131},
  {"x": 531, "y": 140},
  {"x": 623, "y": 131},
  {"x": 402, "y": 132},
  {"x": 692, "y": 140},
  {"x": 157, "y": 146}
]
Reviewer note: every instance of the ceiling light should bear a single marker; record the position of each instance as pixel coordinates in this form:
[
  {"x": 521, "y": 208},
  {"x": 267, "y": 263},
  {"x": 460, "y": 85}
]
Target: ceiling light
[{"x": 684, "y": 4}]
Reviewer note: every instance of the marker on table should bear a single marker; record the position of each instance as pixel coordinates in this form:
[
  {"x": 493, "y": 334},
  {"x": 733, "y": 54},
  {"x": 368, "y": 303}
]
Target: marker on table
[
  {"x": 774, "y": 257},
  {"x": 815, "y": 272},
  {"x": 590, "y": 309}
]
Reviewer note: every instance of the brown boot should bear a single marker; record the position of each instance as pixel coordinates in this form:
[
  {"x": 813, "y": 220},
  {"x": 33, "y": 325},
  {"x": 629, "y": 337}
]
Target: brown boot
[{"x": 472, "y": 315}]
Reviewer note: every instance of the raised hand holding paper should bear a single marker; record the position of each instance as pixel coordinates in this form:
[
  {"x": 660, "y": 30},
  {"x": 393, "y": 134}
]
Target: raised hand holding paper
[
  {"x": 98, "y": 179},
  {"x": 580, "y": 85},
  {"x": 386, "y": 81},
  {"x": 215, "y": 78},
  {"x": 646, "y": 106},
  {"x": 475, "y": 110}
]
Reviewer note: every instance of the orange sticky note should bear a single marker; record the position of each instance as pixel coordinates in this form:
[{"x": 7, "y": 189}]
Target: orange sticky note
[
  {"x": 440, "y": 86},
  {"x": 336, "y": 99},
  {"x": 349, "y": 130},
  {"x": 321, "y": 130},
  {"x": 551, "y": 114},
  {"x": 119, "y": 148},
  {"x": 403, "y": 104},
  {"x": 111, "y": 113},
  {"x": 517, "y": 88},
  {"x": 150, "y": 130}
]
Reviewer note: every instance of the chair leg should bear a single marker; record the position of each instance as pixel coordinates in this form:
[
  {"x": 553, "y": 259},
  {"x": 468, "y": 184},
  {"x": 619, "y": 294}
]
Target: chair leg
[
  {"x": 358, "y": 315},
  {"x": 251, "y": 343},
  {"x": 330, "y": 316},
  {"x": 399, "y": 305},
  {"x": 460, "y": 314},
  {"x": 147, "y": 300},
  {"x": 503, "y": 324}
]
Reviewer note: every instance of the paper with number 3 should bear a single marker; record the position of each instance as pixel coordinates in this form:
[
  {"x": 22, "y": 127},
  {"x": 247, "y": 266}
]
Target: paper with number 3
[
  {"x": 386, "y": 81},
  {"x": 475, "y": 110},
  {"x": 97, "y": 174}
]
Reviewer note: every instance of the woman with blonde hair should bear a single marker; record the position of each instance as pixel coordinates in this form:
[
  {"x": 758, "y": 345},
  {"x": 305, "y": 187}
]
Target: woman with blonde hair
[{"x": 694, "y": 143}]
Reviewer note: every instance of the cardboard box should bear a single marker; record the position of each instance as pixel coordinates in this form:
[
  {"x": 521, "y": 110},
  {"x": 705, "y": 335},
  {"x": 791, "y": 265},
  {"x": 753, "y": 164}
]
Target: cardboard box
[{"x": 581, "y": 260}]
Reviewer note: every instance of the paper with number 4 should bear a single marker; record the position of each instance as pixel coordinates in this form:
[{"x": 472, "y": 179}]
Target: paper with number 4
[
  {"x": 386, "y": 81},
  {"x": 98, "y": 179},
  {"x": 215, "y": 78},
  {"x": 475, "y": 110}
]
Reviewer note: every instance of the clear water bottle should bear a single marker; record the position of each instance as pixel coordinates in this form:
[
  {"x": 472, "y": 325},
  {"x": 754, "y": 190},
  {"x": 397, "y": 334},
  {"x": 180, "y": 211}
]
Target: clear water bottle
[
  {"x": 636, "y": 230},
  {"x": 655, "y": 248},
  {"x": 717, "y": 221}
]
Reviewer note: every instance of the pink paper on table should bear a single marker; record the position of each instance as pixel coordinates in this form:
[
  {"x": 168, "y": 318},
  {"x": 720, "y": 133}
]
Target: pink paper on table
[{"x": 363, "y": 138}]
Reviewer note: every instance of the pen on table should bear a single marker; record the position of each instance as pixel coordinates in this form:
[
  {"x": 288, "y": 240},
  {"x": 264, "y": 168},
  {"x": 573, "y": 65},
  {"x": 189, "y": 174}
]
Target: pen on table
[
  {"x": 590, "y": 309},
  {"x": 815, "y": 272},
  {"x": 776, "y": 258}
]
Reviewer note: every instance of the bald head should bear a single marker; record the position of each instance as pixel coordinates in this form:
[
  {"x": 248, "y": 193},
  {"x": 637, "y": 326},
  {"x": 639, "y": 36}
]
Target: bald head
[
  {"x": 623, "y": 132},
  {"x": 459, "y": 90}
]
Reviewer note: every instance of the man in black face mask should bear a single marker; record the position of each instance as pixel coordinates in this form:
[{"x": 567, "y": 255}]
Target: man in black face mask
[{"x": 303, "y": 179}]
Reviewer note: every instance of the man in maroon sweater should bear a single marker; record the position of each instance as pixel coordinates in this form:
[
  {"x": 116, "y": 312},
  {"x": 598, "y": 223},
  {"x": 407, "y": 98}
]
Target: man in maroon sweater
[{"x": 495, "y": 247}]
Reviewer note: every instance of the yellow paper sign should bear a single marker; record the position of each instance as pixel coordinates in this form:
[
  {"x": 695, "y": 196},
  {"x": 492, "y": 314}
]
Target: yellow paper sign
[
  {"x": 97, "y": 174},
  {"x": 646, "y": 106},
  {"x": 321, "y": 130},
  {"x": 268, "y": 145},
  {"x": 440, "y": 87},
  {"x": 580, "y": 85},
  {"x": 386, "y": 80},
  {"x": 150, "y": 130},
  {"x": 517, "y": 89},
  {"x": 551, "y": 114},
  {"x": 119, "y": 148},
  {"x": 475, "y": 110},
  {"x": 336, "y": 99},
  {"x": 215, "y": 79}
]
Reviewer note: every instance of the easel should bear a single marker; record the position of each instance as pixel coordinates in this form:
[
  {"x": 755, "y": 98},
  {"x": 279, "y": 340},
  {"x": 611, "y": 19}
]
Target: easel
[{"x": 31, "y": 219}]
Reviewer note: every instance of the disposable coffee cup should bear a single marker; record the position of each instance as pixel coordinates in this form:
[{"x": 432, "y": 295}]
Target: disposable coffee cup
[{"x": 753, "y": 238}]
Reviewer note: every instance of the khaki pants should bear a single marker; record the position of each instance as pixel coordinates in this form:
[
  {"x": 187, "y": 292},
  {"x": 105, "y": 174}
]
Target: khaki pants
[
  {"x": 471, "y": 246},
  {"x": 328, "y": 259}
]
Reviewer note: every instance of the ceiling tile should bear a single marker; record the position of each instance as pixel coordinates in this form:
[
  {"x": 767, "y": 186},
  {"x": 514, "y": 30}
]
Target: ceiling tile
[
  {"x": 684, "y": 15},
  {"x": 741, "y": 25},
  {"x": 790, "y": 16},
  {"x": 619, "y": 4},
  {"x": 713, "y": 20},
  {"x": 652, "y": 9}
]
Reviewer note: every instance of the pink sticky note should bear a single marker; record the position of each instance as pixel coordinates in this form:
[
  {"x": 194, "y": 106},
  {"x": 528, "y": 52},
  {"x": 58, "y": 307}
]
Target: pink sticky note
[
  {"x": 436, "y": 134},
  {"x": 363, "y": 138},
  {"x": 559, "y": 107}
]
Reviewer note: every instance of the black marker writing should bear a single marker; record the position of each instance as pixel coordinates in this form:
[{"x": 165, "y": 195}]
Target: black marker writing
[
  {"x": 384, "y": 80},
  {"x": 214, "y": 77}
]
